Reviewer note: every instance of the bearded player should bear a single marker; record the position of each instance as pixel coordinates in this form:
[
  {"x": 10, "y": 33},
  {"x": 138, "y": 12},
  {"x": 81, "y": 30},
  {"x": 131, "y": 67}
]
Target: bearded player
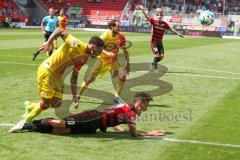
[
  {"x": 108, "y": 60},
  {"x": 49, "y": 75},
  {"x": 158, "y": 29}
]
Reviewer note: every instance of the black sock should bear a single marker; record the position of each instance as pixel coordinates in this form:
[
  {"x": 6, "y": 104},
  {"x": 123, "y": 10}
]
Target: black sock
[
  {"x": 29, "y": 126},
  {"x": 39, "y": 126},
  {"x": 155, "y": 61},
  {"x": 36, "y": 53}
]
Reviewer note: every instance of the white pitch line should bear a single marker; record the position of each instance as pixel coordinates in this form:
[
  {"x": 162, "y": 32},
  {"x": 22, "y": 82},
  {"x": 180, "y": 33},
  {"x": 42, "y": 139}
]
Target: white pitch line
[
  {"x": 27, "y": 64},
  {"x": 16, "y": 56},
  {"x": 184, "y": 141},
  {"x": 200, "y": 142},
  {"x": 209, "y": 70},
  {"x": 203, "y": 69},
  {"x": 202, "y": 76},
  {"x": 160, "y": 138},
  {"x": 180, "y": 74},
  {"x": 6, "y": 124}
]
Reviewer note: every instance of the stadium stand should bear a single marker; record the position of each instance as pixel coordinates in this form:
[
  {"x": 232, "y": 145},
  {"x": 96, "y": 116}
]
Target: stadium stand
[
  {"x": 9, "y": 12},
  {"x": 191, "y": 5},
  {"x": 100, "y": 11}
]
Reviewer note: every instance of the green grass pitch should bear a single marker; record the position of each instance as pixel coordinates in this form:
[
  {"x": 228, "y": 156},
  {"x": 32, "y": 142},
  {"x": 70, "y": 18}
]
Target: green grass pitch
[{"x": 196, "y": 97}]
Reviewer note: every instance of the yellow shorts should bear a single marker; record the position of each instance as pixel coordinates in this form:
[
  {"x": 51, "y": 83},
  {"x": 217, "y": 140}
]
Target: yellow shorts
[
  {"x": 49, "y": 86},
  {"x": 100, "y": 69}
]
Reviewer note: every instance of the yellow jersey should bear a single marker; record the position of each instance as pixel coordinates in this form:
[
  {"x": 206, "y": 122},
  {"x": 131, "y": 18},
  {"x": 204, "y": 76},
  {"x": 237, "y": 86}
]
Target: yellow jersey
[
  {"x": 112, "y": 44},
  {"x": 72, "y": 53},
  {"x": 62, "y": 21}
]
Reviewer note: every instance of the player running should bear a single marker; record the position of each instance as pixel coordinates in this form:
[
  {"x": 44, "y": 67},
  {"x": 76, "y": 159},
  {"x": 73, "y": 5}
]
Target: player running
[
  {"x": 62, "y": 21},
  {"x": 91, "y": 120},
  {"x": 48, "y": 25},
  {"x": 108, "y": 62},
  {"x": 158, "y": 29},
  {"x": 49, "y": 76}
]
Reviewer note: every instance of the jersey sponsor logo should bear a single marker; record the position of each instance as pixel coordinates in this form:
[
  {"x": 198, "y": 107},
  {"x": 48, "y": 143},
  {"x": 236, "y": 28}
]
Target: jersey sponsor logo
[
  {"x": 158, "y": 27},
  {"x": 110, "y": 46},
  {"x": 46, "y": 65}
]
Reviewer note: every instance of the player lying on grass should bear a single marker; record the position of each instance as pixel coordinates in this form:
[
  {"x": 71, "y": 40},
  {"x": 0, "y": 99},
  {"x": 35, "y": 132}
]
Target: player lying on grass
[
  {"x": 158, "y": 29},
  {"x": 91, "y": 120},
  {"x": 49, "y": 75}
]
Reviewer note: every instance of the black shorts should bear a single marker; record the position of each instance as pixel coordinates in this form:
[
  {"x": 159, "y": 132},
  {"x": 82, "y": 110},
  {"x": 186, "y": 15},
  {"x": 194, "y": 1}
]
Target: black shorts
[
  {"x": 85, "y": 122},
  {"x": 87, "y": 128},
  {"x": 157, "y": 48},
  {"x": 47, "y": 35}
]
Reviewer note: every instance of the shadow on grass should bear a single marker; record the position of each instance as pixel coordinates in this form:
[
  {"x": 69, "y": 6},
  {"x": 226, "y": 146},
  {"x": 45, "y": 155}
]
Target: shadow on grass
[{"x": 105, "y": 103}]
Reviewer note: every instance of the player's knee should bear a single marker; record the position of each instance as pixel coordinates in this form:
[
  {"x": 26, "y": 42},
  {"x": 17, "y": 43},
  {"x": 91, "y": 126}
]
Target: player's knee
[
  {"x": 122, "y": 78},
  {"x": 161, "y": 56},
  {"x": 122, "y": 74}
]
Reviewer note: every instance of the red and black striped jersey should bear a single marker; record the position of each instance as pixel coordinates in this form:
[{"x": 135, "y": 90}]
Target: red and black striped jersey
[
  {"x": 120, "y": 114},
  {"x": 158, "y": 30},
  {"x": 114, "y": 115}
]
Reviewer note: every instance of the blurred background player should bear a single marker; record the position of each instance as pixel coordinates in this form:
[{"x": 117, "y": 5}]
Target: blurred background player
[
  {"x": 91, "y": 120},
  {"x": 48, "y": 25},
  {"x": 158, "y": 29},
  {"x": 49, "y": 76},
  {"x": 62, "y": 23},
  {"x": 108, "y": 62}
]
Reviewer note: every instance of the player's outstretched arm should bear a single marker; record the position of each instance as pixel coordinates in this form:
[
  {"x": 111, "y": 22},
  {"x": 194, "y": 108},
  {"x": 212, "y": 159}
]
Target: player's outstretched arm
[
  {"x": 135, "y": 133},
  {"x": 57, "y": 32},
  {"x": 145, "y": 14},
  {"x": 179, "y": 34}
]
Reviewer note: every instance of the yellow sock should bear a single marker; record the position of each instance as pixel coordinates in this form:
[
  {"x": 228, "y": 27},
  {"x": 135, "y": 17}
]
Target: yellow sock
[
  {"x": 84, "y": 86},
  {"x": 36, "y": 110},
  {"x": 31, "y": 106},
  {"x": 119, "y": 87}
]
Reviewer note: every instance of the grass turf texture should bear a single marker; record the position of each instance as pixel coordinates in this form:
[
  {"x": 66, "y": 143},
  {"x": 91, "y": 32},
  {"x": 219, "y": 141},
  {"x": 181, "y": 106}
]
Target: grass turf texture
[{"x": 208, "y": 99}]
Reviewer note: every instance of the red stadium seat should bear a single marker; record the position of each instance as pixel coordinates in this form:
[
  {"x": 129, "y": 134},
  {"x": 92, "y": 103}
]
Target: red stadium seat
[{"x": 103, "y": 10}]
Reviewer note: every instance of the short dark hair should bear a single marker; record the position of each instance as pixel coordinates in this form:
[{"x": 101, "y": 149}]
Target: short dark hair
[
  {"x": 97, "y": 41},
  {"x": 143, "y": 96},
  {"x": 112, "y": 23}
]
